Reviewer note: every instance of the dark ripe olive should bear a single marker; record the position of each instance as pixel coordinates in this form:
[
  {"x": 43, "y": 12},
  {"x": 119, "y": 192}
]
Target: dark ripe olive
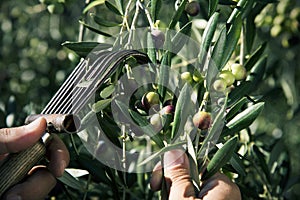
[
  {"x": 169, "y": 109},
  {"x": 202, "y": 120},
  {"x": 192, "y": 8}
]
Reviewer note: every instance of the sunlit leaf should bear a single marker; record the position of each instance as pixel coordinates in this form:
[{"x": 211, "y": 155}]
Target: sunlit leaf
[{"x": 92, "y": 4}]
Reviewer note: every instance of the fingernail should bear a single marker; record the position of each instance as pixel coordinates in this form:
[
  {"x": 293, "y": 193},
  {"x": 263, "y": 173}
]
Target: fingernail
[
  {"x": 34, "y": 123},
  {"x": 174, "y": 157},
  {"x": 13, "y": 197}
]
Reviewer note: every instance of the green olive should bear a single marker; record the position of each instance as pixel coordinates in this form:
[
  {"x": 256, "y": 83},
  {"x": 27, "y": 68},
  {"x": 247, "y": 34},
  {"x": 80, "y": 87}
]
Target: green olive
[
  {"x": 220, "y": 85},
  {"x": 228, "y": 77},
  {"x": 239, "y": 71},
  {"x": 187, "y": 77}
]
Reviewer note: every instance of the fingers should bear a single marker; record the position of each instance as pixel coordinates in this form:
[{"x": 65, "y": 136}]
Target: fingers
[
  {"x": 13, "y": 140},
  {"x": 36, "y": 187},
  {"x": 176, "y": 172},
  {"x": 58, "y": 156},
  {"x": 219, "y": 187}
]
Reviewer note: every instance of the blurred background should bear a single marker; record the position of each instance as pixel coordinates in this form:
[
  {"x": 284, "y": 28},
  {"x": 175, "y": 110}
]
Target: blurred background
[{"x": 33, "y": 64}]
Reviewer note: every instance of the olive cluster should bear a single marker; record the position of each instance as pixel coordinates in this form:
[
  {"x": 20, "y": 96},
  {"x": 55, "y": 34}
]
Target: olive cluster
[{"x": 226, "y": 78}]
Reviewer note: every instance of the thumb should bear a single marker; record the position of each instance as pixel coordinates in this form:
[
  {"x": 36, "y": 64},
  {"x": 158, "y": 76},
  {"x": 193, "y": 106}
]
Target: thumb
[
  {"x": 177, "y": 176},
  {"x": 16, "y": 139}
]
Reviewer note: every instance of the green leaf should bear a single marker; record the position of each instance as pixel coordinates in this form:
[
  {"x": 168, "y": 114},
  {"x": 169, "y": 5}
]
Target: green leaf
[
  {"x": 106, "y": 92},
  {"x": 72, "y": 182},
  {"x": 255, "y": 56},
  {"x": 112, "y": 8},
  {"x": 163, "y": 78},
  {"x": 104, "y": 22},
  {"x": 212, "y": 6},
  {"x": 177, "y": 14},
  {"x": 218, "y": 51},
  {"x": 237, "y": 11},
  {"x": 100, "y": 105},
  {"x": 181, "y": 37},
  {"x": 95, "y": 29},
  {"x": 257, "y": 72},
  {"x": 151, "y": 51},
  {"x": 120, "y": 6},
  {"x": 208, "y": 34},
  {"x": 243, "y": 119},
  {"x": 236, "y": 108},
  {"x": 181, "y": 111},
  {"x": 237, "y": 164},
  {"x": 193, "y": 162},
  {"x": 92, "y": 4},
  {"x": 155, "y": 8},
  {"x": 232, "y": 39},
  {"x": 222, "y": 156},
  {"x": 84, "y": 48},
  {"x": 162, "y": 151}
]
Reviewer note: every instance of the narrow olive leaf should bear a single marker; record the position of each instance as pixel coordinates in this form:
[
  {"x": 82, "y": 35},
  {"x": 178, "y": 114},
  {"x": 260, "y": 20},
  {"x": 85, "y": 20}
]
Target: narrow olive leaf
[
  {"x": 72, "y": 182},
  {"x": 92, "y": 4},
  {"x": 162, "y": 151},
  {"x": 257, "y": 72},
  {"x": 255, "y": 56},
  {"x": 147, "y": 128},
  {"x": 193, "y": 162},
  {"x": 212, "y": 6},
  {"x": 248, "y": 8},
  {"x": 250, "y": 33},
  {"x": 177, "y": 14},
  {"x": 151, "y": 51},
  {"x": 155, "y": 8},
  {"x": 243, "y": 119},
  {"x": 95, "y": 29},
  {"x": 208, "y": 34},
  {"x": 219, "y": 50},
  {"x": 236, "y": 108},
  {"x": 163, "y": 77},
  {"x": 215, "y": 130},
  {"x": 262, "y": 161},
  {"x": 112, "y": 8},
  {"x": 100, "y": 105},
  {"x": 106, "y": 92},
  {"x": 120, "y": 6},
  {"x": 83, "y": 49},
  {"x": 237, "y": 164},
  {"x": 237, "y": 11},
  {"x": 180, "y": 110},
  {"x": 181, "y": 37},
  {"x": 104, "y": 22},
  {"x": 232, "y": 39},
  {"x": 221, "y": 157}
]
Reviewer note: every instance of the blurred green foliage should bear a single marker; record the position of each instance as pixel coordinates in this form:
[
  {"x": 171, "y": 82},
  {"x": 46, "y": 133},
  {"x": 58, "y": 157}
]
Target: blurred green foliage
[{"x": 33, "y": 64}]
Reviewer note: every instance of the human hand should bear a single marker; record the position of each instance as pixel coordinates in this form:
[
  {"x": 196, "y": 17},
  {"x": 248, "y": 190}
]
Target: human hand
[
  {"x": 176, "y": 172},
  {"x": 41, "y": 179}
]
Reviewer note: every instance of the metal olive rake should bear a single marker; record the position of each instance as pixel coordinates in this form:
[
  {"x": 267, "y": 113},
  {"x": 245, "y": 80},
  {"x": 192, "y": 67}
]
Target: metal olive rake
[{"x": 61, "y": 110}]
